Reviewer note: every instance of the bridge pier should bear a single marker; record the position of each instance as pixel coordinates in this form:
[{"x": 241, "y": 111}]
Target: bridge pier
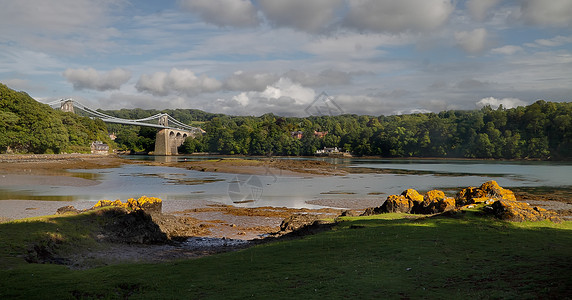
[{"x": 168, "y": 140}]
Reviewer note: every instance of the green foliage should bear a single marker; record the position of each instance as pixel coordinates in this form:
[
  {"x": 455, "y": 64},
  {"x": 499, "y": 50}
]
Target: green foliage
[
  {"x": 542, "y": 130},
  {"x": 27, "y": 126}
]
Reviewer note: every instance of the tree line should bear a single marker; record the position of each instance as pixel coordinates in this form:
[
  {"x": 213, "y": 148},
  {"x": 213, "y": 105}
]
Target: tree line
[{"x": 542, "y": 130}]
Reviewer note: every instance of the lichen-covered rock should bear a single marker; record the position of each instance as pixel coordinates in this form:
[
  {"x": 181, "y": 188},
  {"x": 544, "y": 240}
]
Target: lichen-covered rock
[
  {"x": 412, "y": 195},
  {"x": 492, "y": 189},
  {"x": 434, "y": 202},
  {"x": 487, "y": 193},
  {"x": 516, "y": 211},
  {"x": 397, "y": 204},
  {"x": 148, "y": 204}
]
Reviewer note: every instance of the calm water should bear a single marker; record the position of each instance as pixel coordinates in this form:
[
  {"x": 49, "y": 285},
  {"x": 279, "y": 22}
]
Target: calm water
[{"x": 181, "y": 185}]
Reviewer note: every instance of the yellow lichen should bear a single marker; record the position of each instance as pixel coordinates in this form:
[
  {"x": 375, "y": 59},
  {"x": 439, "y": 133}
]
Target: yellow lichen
[
  {"x": 135, "y": 204},
  {"x": 412, "y": 195}
]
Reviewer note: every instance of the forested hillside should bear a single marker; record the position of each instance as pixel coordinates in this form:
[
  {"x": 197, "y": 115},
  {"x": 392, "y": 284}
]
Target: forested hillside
[
  {"x": 542, "y": 130},
  {"x": 27, "y": 126}
]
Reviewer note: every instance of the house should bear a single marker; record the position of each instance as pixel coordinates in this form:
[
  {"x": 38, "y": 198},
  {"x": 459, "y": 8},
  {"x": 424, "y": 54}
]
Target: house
[
  {"x": 332, "y": 152},
  {"x": 297, "y": 134},
  {"x": 320, "y": 134},
  {"x": 99, "y": 147}
]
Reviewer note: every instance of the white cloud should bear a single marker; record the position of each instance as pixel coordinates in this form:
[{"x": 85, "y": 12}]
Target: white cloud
[
  {"x": 472, "y": 42},
  {"x": 92, "y": 79},
  {"x": 398, "y": 16},
  {"x": 479, "y": 8},
  {"x": 177, "y": 81},
  {"x": 505, "y": 102},
  {"x": 554, "y": 42},
  {"x": 507, "y": 50},
  {"x": 310, "y": 16},
  {"x": 238, "y": 13},
  {"x": 356, "y": 46},
  {"x": 283, "y": 92},
  {"x": 556, "y": 13}
]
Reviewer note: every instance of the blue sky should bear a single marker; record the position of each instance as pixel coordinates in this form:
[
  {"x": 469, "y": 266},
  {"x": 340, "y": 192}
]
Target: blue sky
[{"x": 250, "y": 57}]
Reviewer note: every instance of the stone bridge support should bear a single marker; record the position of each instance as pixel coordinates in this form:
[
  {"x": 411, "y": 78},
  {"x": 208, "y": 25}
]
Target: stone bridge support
[{"x": 168, "y": 140}]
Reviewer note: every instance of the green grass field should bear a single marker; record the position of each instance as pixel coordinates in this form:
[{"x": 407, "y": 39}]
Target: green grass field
[{"x": 386, "y": 256}]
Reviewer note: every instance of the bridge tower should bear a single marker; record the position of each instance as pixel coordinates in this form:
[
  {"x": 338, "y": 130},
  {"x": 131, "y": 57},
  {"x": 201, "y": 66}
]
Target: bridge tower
[
  {"x": 168, "y": 141},
  {"x": 67, "y": 106}
]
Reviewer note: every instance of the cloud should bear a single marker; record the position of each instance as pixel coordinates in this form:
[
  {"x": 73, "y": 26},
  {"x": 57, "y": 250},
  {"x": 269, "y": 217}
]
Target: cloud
[
  {"x": 177, "y": 81},
  {"x": 397, "y": 16},
  {"x": 553, "y": 42},
  {"x": 43, "y": 24},
  {"x": 249, "y": 81},
  {"x": 507, "y": 50},
  {"x": 473, "y": 42},
  {"x": 285, "y": 95},
  {"x": 311, "y": 16},
  {"x": 237, "y": 13},
  {"x": 479, "y": 8},
  {"x": 93, "y": 80},
  {"x": 324, "y": 78},
  {"x": 505, "y": 102},
  {"x": 471, "y": 84},
  {"x": 553, "y": 13}
]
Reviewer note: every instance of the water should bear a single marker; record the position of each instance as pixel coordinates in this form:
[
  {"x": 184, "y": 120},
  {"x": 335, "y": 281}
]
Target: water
[{"x": 185, "y": 186}]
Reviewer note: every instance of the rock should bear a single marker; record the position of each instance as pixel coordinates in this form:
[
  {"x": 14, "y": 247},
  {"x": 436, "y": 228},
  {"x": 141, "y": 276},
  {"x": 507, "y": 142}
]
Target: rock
[
  {"x": 297, "y": 221},
  {"x": 370, "y": 211},
  {"x": 434, "y": 202},
  {"x": 487, "y": 193},
  {"x": 67, "y": 210},
  {"x": 148, "y": 204},
  {"x": 516, "y": 211},
  {"x": 397, "y": 204},
  {"x": 131, "y": 227},
  {"x": 349, "y": 213},
  {"x": 412, "y": 195}
]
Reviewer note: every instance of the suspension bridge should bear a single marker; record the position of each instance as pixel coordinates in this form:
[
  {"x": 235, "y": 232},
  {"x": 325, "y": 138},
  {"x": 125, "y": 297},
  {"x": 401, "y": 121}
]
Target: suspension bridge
[{"x": 172, "y": 133}]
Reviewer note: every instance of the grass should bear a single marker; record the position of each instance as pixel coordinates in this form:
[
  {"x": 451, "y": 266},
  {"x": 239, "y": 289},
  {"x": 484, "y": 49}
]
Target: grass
[{"x": 384, "y": 256}]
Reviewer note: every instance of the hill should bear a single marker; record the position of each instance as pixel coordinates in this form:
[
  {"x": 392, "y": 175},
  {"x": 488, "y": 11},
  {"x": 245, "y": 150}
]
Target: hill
[{"x": 27, "y": 126}]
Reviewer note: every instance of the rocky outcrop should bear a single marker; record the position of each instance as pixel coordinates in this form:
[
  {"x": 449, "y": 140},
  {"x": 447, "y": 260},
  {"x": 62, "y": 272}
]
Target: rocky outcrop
[
  {"x": 131, "y": 227},
  {"x": 148, "y": 204},
  {"x": 397, "y": 204},
  {"x": 434, "y": 202},
  {"x": 297, "y": 221},
  {"x": 487, "y": 193},
  {"x": 516, "y": 211},
  {"x": 499, "y": 202}
]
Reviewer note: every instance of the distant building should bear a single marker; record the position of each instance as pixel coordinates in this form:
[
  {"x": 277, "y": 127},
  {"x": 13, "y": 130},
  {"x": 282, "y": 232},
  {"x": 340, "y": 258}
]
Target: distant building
[
  {"x": 332, "y": 152},
  {"x": 112, "y": 136},
  {"x": 320, "y": 134},
  {"x": 297, "y": 134},
  {"x": 98, "y": 147}
]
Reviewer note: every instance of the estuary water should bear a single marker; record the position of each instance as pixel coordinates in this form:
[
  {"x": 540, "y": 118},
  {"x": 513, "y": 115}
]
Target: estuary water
[{"x": 179, "y": 185}]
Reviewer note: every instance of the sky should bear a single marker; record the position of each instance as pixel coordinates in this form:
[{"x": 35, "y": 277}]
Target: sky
[{"x": 251, "y": 57}]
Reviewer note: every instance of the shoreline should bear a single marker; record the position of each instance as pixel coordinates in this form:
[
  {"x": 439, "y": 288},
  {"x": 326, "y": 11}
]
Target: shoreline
[{"x": 54, "y": 169}]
